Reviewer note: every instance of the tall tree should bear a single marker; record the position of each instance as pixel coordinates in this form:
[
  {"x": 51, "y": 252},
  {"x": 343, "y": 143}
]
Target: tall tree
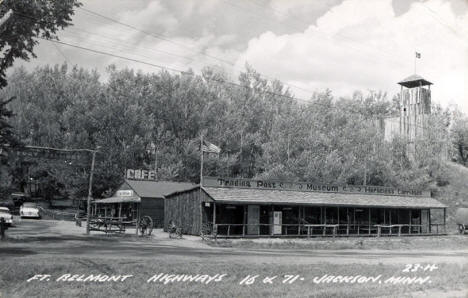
[
  {"x": 8, "y": 141},
  {"x": 459, "y": 139},
  {"x": 31, "y": 19}
]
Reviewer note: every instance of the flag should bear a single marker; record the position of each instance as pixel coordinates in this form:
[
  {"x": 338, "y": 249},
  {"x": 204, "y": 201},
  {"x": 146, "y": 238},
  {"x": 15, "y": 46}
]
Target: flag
[
  {"x": 210, "y": 148},
  {"x": 418, "y": 55}
]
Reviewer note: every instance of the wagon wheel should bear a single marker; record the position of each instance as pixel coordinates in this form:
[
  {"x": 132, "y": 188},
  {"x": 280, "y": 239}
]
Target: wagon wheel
[
  {"x": 461, "y": 229},
  {"x": 205, "y": 232},
  {"x": 145, "y": 225}
]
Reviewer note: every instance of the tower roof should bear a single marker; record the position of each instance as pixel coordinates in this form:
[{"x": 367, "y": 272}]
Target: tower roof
[{"x": 414, "y": 81}]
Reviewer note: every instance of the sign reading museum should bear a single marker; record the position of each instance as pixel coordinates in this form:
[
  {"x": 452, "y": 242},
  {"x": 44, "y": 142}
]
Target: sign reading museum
[{"x": 305, "y": 186}]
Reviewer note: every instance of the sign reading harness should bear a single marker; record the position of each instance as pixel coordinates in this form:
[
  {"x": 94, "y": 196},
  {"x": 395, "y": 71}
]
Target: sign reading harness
[{"x": 305, "y": 186}]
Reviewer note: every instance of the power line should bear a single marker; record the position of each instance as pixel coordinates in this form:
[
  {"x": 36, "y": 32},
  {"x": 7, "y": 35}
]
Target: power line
[
  {"x": 150, "y": 64},
  {"x": 188, "y": 73},
  {"x": 122, "y": 43},
  {"x": 170, "y": 69},
  {"x": 210, "y": 79},
  {"x": 115, "y": 56},
  {"x": 180, "y": 44},
  {"x": 232, "y": 64},
  {"x": 364, "y": 120},
  {"x": 436, "y": 17},
  {"x": 150, "y": 34},
  {"x": 60, "y": 52},
  {"x": 157, "y": 36}
]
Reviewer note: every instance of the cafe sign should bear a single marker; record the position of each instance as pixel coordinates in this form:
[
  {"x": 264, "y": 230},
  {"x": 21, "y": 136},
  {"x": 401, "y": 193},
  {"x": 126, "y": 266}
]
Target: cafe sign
[
  {"x": 148, "y": 175},
  {"x": 308, "y": 187}
]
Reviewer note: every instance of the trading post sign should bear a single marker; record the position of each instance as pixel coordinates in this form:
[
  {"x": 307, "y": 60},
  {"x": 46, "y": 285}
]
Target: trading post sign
[{"x": 309, "y": 187}]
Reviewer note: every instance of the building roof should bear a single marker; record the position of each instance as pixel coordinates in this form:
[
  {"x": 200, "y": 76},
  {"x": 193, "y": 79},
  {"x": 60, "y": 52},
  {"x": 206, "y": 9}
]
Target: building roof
[
  {"x": 157, "y": 189},
  {"x": 260, "y": 196},
  {"x": 113, "y": 200},
  {"x": 414, "y": 81}
]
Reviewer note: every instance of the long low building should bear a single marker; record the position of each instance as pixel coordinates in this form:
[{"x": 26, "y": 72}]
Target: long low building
[{"x": 255, "y": 208}]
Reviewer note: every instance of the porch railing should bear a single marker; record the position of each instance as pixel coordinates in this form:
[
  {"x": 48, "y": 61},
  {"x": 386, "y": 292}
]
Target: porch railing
[{"x": 308, "y": 230}]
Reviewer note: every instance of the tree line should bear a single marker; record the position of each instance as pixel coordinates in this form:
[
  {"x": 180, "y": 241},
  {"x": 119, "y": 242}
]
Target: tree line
[{"x": 148, "y": 120}]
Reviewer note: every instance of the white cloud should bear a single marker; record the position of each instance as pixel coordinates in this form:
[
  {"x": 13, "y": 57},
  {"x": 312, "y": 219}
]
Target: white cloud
[
  {"x": 284, "y": 10},
  {"x": 356, "y": 44},
  {"x": 361, "y": 44},
  {"x": 155, "y": 18}
]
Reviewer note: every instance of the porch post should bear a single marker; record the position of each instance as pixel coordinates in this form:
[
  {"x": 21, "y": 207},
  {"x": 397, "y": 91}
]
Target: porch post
[
  {"x": 410, "y": 220},
  {"x": 420, "y": 221},
  {"x": 120, "y": 210},
  {"x": 338, "y": 220},
  {"x": 214, "y": 214},
  {"x": 369, "y": 221},
  {"x": 324, "y": 220},
  {"x": 445, "y": 220},
  {"x": 429, "y": 219},
  {"x": 299, "y": 220},
  {"x": 137, "y": 207},
  {"x": 244, "y": 221},
  {"x": 347, "y": 219},
  {"x": 272, "y": 223}
]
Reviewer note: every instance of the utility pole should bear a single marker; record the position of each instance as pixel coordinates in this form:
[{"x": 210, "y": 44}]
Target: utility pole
[
  {"x": 5, "y": 16},
  {"x": 156, "y": 163},
  {"x": 3, "y": 20},
  {"x": 90, "y": 190},
  {"x": 90, "y": 186}
]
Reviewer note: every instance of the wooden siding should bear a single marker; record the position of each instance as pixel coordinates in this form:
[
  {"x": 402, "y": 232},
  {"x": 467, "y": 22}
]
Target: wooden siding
[
  {"x": 153, "y": 207},
  {"x": 123, "y": 186},
  {"x": 185, "y": 209}
]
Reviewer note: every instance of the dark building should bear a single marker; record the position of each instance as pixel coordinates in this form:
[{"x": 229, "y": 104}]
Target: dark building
[
  {"x": 137, "y": 198},
  {"x": 255, "y": 208}
]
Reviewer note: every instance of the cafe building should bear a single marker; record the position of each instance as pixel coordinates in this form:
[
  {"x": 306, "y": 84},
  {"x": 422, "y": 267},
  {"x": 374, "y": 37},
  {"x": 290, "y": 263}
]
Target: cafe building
[
  {"x": 139, "y": 195},
  {"x": 231, "y": 207}
]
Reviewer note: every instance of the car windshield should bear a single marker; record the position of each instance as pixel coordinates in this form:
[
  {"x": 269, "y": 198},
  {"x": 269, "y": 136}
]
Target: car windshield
[
  {"x": 30, "y": 205},
  {"x": 4, "y": 209}
]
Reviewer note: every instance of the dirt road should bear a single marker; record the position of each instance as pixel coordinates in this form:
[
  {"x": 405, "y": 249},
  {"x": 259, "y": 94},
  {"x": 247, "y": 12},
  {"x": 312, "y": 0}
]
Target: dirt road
[{"x": 51, "y": 238}]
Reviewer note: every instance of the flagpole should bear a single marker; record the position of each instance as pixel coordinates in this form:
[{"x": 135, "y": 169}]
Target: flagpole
[
  {"x": 201, "y": 159},
  {"x": 201, "y": 182}
]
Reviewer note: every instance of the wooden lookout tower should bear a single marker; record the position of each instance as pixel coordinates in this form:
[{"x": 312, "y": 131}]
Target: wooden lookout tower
[{"x": 415, "y": 106}]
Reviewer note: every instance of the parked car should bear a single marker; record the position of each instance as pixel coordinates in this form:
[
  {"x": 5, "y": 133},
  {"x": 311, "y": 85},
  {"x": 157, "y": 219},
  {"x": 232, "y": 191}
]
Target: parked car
[
  {"x": 5, "y": 213},
  {"x": 29, "y": 210},
  {"x": 19, "y": 198}
]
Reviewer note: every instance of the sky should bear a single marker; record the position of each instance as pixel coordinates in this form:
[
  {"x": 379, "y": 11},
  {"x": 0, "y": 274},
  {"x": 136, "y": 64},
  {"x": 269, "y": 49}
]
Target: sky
[{"x": 342, "y": 45}]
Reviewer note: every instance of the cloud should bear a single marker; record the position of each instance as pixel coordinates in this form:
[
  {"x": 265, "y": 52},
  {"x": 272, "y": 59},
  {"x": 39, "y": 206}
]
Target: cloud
[
  {"x": 286, "y": 10},
  {"x": 336, "y": 44},
  {"x": 362, "y": 44}
]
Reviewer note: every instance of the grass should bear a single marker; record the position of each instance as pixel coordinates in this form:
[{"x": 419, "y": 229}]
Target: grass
[
  {"x": 454, "y": 193},
  {"x": 390, "y": 243},
  {"x": 14, "y": 273}
]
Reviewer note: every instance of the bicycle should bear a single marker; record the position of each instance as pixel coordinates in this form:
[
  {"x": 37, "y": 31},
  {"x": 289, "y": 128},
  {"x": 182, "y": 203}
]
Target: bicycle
[{"x": 175, "y": 232}]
